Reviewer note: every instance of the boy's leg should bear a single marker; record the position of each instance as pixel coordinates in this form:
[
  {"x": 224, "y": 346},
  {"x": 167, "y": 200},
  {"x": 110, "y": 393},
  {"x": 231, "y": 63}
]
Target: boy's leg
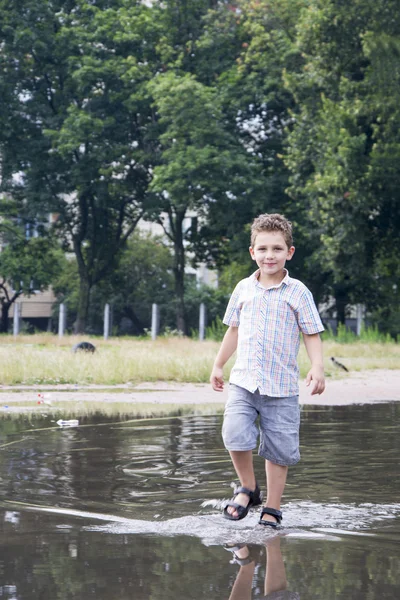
[
  {"x": 240, "y": 435},
  {"x": 243, "y": 462},
  {"x": 242, "y": 587},
  {"x": 276, "y": 480},
  {"x": 275, "y": 574},
  {"x": 279, "y": 424}
]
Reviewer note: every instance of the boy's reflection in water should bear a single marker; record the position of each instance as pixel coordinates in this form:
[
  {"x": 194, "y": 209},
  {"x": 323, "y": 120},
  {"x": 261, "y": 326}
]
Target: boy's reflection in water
[{"x": 275, "y": 574}]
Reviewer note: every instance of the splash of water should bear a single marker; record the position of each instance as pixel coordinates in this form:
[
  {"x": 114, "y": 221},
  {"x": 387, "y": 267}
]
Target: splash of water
[{"x": 302, "y": 519}]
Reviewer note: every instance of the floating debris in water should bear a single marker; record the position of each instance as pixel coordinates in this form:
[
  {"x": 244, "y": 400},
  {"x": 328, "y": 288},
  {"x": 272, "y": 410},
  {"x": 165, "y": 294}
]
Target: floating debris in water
[{"x": 70, "y": 423}]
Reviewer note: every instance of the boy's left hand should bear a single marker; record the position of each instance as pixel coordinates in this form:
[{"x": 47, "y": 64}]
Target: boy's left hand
[{"x": 316, "y": 376}]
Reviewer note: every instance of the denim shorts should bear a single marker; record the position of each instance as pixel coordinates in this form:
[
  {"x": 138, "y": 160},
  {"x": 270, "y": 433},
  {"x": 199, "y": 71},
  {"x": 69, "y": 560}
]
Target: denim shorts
[
  {"x": 279, "y": 424},
  {"x": 282, "y": 595}
]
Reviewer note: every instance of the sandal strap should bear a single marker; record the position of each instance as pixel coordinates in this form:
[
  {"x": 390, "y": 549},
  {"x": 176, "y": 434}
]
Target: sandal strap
[
  {"x": 234, "y": 548},
  {"x": 243, "y": 490},
  {"x": 240, "y": 561},
  {"x": 272, "y": 512},
  {"x": 243, "y": 561},
  {"x": 254, "y": 499},
  {"x": 238, "y": 507},
  {"x": 254, "y": 495}
]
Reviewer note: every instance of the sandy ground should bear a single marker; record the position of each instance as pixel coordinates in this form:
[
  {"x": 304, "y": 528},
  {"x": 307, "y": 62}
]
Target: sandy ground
[{"x": 356, "y": 388}]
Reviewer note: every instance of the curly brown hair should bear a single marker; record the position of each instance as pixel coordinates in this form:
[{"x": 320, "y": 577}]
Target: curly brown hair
[{"x": 272, "y": 222}]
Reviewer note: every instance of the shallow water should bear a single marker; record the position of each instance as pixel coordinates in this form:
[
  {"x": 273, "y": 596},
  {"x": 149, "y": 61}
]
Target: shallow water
[{"x": 132, "y": 510}]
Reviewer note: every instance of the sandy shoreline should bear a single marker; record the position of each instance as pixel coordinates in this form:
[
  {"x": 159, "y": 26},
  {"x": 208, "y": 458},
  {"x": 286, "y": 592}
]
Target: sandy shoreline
[{"x": 356, "y": 388}]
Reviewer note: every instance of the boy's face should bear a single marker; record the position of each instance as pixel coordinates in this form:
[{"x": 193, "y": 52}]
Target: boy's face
[{"x": 270, "y": 251}]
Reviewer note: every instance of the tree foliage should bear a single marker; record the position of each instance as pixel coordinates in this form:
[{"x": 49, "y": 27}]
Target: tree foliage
[
  {"x": 199, "y": 115},
  {"x": 143, "y": 276},
  {"x": 249, "y": 46},
  {"x": 76, "y": 120},
  {"x": 199, "y": 164},
  {"x": 26, "y": 267},
  {"x": 343, "y": 146}
]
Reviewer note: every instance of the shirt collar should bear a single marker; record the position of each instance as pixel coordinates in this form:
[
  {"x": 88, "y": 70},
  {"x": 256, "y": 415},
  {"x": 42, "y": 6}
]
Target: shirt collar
[{"x": 285, "y": 280}]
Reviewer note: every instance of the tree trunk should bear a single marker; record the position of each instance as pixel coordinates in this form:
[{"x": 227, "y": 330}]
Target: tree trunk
[
  {"x": 180, "y": 300},
  {"x": 137, "y": 323},
  {"x": 179, "y": 274},
  {"x": 6, "y": 302},
  {"x": 341, "y": 305},
  {"x": 5, "y": 308},
  {"x": 83, "y": 306}
]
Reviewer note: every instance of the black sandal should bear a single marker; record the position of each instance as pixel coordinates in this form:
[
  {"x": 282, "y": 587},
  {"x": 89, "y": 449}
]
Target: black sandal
[
  {"x": 274, "y": 513},
  {"x": 254, "y": 500},
  {"x": 239, "y": 561}
]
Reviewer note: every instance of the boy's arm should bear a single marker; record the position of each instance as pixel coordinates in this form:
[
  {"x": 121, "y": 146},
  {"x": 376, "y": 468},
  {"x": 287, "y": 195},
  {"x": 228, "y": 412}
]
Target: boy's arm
[
  {"x": 313, "y": 346},
  {"x": 228, "y": 347}
]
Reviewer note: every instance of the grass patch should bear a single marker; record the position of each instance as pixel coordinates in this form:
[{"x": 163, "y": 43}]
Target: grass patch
[
  {"x": 358, "y": 356},
  {"x": 46, "y": 359},
  {"x": 368, "y": 335},
  {"x": 115, "y": 361},
  {"x": 115, "y": 410}
]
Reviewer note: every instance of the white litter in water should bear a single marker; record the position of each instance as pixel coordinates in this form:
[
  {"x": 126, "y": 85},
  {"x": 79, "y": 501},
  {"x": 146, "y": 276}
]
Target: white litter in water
[{"x": 70, "y": 423}]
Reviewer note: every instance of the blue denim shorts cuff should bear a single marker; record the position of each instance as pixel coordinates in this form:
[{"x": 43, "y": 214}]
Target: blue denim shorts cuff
[
  {"x": 279, "y": 462},
  {"x": 241, "y": 449}
]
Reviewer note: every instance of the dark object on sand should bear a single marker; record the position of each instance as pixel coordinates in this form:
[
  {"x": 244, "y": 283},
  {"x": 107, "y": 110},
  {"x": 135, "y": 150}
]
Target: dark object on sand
[
  {"x": 84, "y": 347},
  {"x": 339, "y": 364}
]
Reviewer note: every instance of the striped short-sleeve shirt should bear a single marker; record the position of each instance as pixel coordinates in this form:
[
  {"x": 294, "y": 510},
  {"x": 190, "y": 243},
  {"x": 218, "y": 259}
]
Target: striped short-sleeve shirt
[{"x": 270, "y": 321}]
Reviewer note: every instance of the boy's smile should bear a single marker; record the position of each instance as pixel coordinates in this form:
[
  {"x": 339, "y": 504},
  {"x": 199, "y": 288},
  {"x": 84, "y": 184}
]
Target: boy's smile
[{"x": 271, "y": 252}]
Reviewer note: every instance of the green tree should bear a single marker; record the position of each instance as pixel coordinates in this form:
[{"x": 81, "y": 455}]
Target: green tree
[
  {"x": 143, "y": 276},
  {"x": 74, "y": 122},
  {"x": 26, "y": 266},
  {"x": 244, "y": 52},
  {"x": 199, "y": 164},
  {"x": 344, "y": 146}
]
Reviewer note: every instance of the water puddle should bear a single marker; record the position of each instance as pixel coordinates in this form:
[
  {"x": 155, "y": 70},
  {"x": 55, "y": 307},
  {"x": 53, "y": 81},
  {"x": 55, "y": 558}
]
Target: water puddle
[{"x": 133, "y": 510}]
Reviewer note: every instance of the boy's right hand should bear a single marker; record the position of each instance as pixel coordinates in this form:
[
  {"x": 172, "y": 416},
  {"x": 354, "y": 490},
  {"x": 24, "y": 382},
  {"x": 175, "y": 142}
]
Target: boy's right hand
[{"x": 217, "y": 379}]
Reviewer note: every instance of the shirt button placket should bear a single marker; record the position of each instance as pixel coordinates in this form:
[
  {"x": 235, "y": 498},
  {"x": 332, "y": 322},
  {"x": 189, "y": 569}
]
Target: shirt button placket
[{"x": 260, "y": 342}]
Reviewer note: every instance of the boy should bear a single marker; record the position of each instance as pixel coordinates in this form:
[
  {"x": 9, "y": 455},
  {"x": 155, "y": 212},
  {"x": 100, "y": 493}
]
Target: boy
[{"x": 265, "y": 315}]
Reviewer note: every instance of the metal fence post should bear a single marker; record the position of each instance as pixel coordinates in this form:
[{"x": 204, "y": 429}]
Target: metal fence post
[
  {"x": 62, "y": 319},
  {"x": 16, "y": 319},
  {"x": 360, "y": 318},
  {"x": 155, "y": 321},
  {"x": 202, "y": 321},
  {"x": 106, "y": 321}
]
